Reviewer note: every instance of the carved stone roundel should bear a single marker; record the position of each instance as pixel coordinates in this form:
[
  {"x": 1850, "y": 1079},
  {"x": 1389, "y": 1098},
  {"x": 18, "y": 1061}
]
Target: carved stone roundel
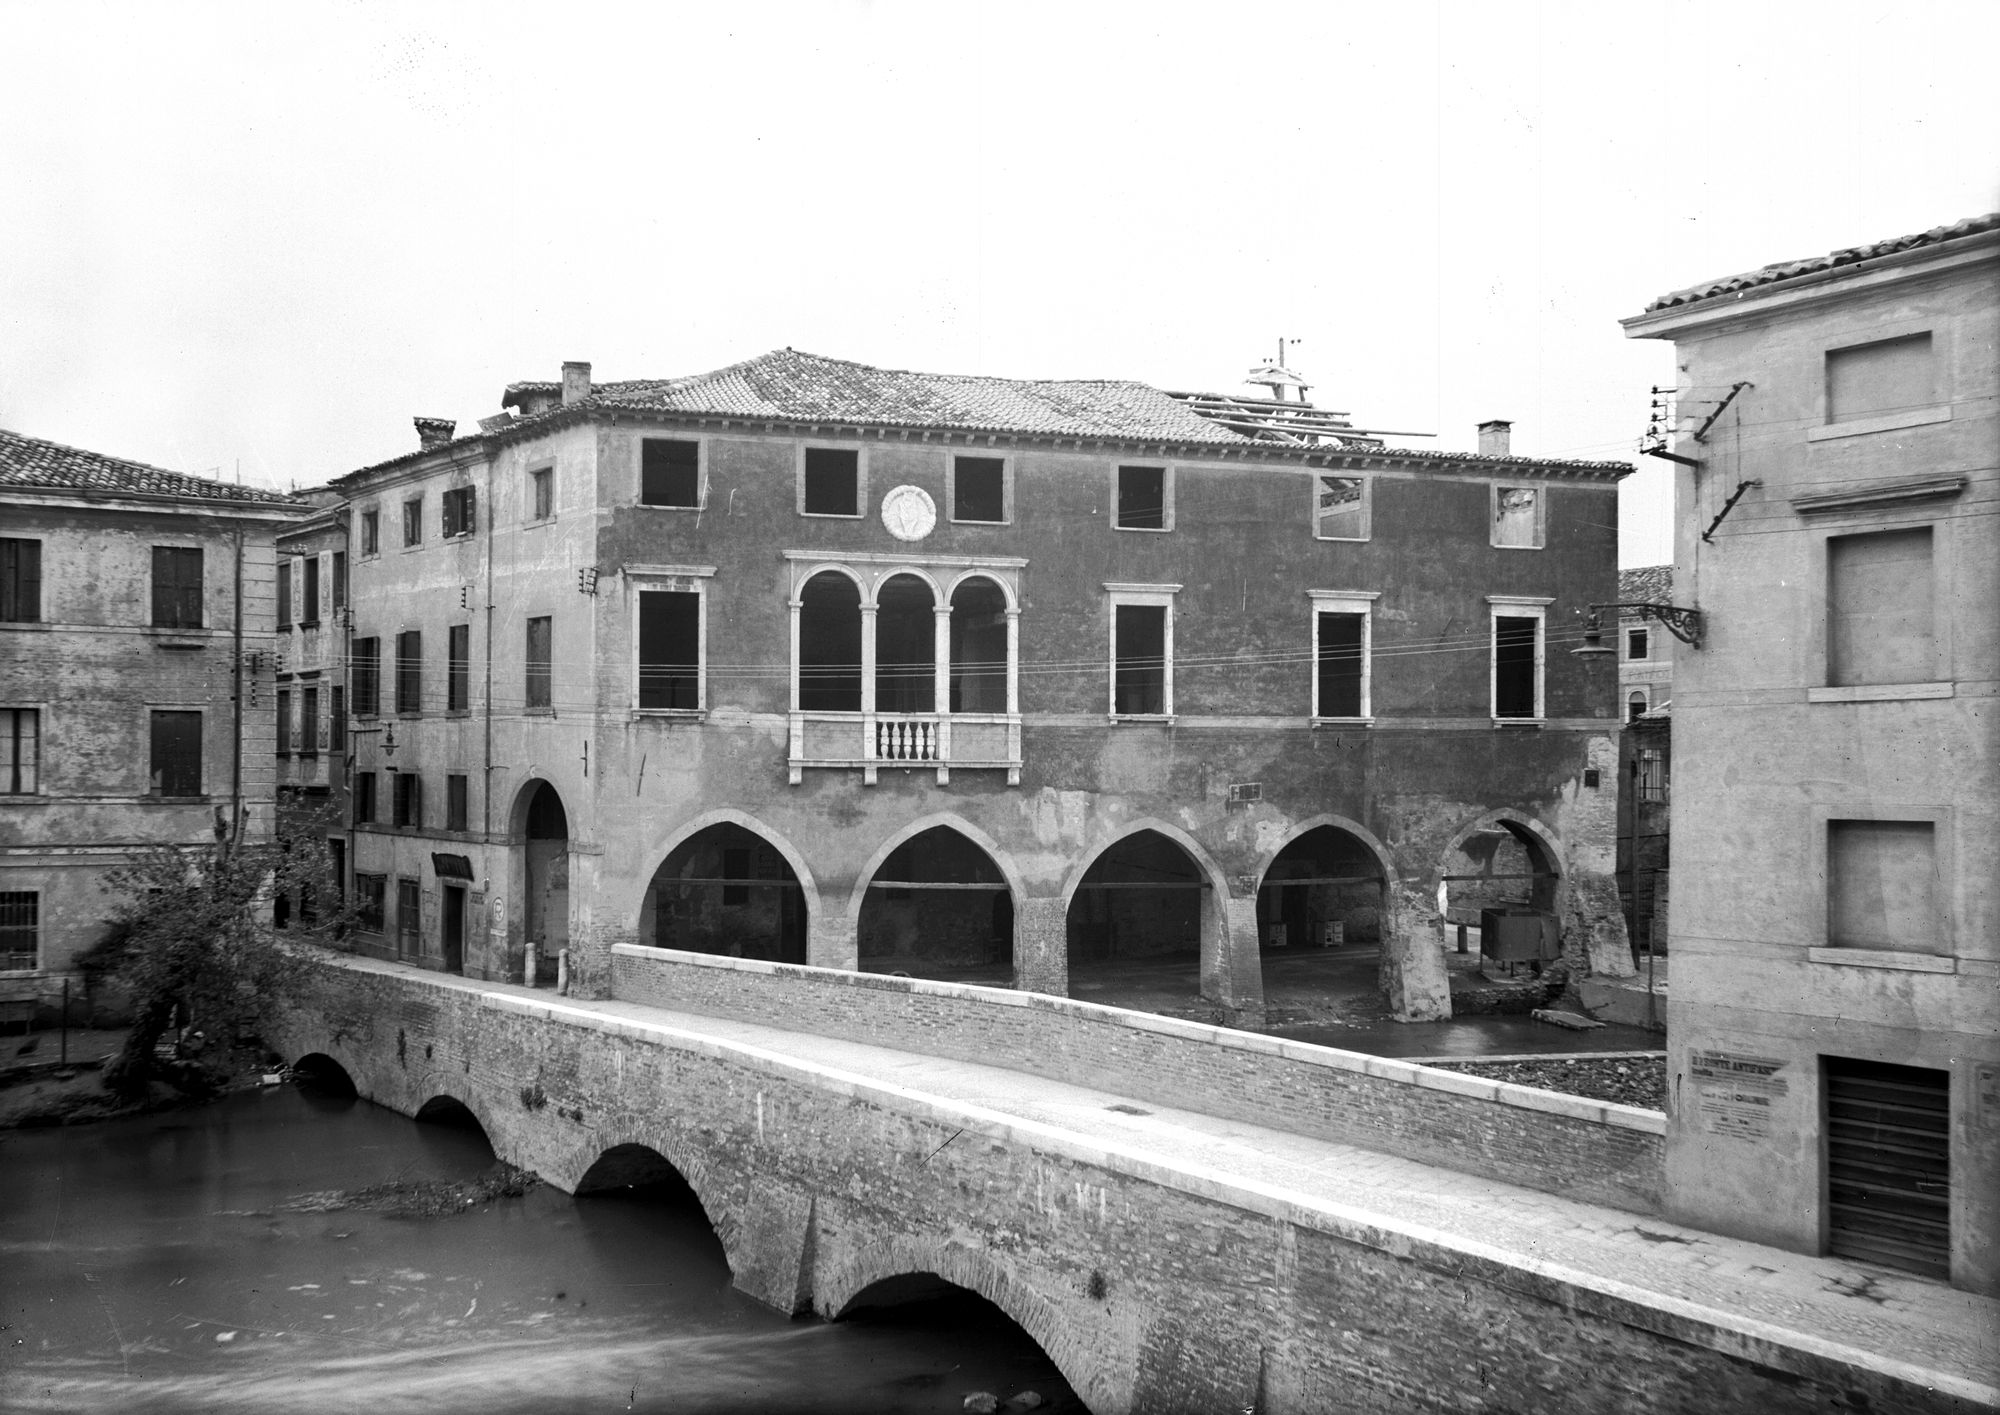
[{"x": 909, "y": 512}]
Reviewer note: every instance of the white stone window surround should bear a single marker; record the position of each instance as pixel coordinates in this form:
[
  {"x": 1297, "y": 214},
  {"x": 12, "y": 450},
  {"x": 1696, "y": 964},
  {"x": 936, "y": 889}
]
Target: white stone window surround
[
  {"x": 702, "y": 442},
  {"x": 860, "y": 451},
  {"x": 687, "y": 579},
  {"x": 1943, "y": 350},
  {"x": 1535, "y": 607},
  {"x": 1815, "y": 908},
  {"x": 1816, "y": 668},
  {"x": 1006, "y": 461},
  {"x": 1361, "y": 602},
  {"x": 1169, "y": 477},
  {"x": 1151, "y": 596},
  {"x": 1540, "y": 533},
  {"x": 1367, "y": 504}
]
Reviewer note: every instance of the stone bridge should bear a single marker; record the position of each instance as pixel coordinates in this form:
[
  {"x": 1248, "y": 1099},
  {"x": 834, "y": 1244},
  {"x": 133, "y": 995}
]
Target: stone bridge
[{"x": 1207, "y": 1238}]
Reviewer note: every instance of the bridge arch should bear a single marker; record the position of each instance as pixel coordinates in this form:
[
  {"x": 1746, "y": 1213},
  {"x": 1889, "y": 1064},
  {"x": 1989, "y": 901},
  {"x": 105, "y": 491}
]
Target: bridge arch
[
  {"x": 443, "y": 1107},
  {"x": 966, "y": 928},
  {"x": 603, "y": 1161},
  {"x": 1057, "y": 1333},
  {"x": 323, "y": 1073}
]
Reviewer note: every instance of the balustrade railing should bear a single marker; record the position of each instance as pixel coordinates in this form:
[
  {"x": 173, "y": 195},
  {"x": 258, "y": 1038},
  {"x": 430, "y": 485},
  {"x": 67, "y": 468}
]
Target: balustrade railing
[{"x": 871, "y": 740}]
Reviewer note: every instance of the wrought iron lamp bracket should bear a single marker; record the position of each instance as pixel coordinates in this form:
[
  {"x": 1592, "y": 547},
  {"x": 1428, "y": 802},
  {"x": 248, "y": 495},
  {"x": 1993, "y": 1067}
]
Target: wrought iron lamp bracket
[{"x": 1683, "y": 624}]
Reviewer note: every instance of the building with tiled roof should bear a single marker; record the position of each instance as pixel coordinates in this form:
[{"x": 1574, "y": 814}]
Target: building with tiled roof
[
  {"x": 135, "y": 684},
  {"x": 1844, "y": 263}
]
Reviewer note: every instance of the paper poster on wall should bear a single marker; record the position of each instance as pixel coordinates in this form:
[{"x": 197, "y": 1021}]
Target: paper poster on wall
[{"x": 1736, "y": 1094}]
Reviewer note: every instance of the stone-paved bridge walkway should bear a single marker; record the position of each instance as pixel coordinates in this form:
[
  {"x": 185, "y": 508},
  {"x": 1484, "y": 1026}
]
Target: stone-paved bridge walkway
[{"x": 1915, "y": 1329}]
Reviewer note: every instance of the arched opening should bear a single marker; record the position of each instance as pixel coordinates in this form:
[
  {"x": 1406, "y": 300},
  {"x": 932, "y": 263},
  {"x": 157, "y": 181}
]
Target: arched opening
[
  {"x": 1635, "y": 705},
  {"x": 939, "y": 907},
  {"x": 449, "y": 1112},
  {"x": 319, "y": 1075},
  {"x": 905, "y": 646},
  {"x": 1324, "y": 890},
  {"x": 830, "y": 644},
  {"x": 726, "y": 890},
  {"x": 978, "y": 1344},
  {"x": 978, "y": 647},
  {"x": 633, "y": 1199},
  {"x": 1137, "y": 919},
  {"x": 1504, "y": 867},
  {"x": 543, "y": 827}
]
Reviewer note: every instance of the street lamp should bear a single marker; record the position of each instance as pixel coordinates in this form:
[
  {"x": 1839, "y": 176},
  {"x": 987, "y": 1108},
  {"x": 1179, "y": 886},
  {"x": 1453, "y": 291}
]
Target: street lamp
[
  {"x": 388, "y": 743},
  {"x": 1683, "y": 624}
]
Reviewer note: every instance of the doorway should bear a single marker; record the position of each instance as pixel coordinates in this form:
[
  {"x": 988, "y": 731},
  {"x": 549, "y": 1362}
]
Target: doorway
[{"x": 454, "y": 928}]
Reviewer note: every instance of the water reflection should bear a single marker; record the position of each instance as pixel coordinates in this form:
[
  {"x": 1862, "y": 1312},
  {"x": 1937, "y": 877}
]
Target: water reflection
[{"x": 168, "y": 1264}]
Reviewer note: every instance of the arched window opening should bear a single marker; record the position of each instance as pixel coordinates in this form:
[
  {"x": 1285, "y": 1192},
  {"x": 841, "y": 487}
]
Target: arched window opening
[
  {"x": 905, "y": 646},
  {"x": 726, "y": 891},
  {"x": 1635, "y": 706},
  {"x": 1136, "y": 923},
  {"x": 830, "y": 644},
  {"x": 978, "y": 647},
  {"x": 939, "y": 908}
]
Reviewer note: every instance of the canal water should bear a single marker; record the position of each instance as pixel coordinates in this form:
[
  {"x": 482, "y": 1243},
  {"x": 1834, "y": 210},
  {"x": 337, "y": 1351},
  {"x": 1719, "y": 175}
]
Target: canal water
[{"x": 194, "y": 1261}]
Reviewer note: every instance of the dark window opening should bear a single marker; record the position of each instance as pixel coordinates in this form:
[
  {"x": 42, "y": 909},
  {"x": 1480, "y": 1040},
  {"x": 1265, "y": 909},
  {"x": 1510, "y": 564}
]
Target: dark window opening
[
  {"x": 833, "y": 482},
  {"x": 1340, "y": 665},
  {"x": 410, "y": 672},
  {"x": 542, "y": 488},
  {"x": 20, "y": 581},
  {"x": 285, "y": 594},
  {"x": 670, "y": 650},
  {"x": 1140, "y": 678},
  {"x": 413, "y": 522},
  {"x": 176, "y": 587},
  {"x": 409, "y": 803},
  {"x": 309, "y": 721},
  {"x": 461, "y": 511},
  {"x": 735, "y": 866},
  {"x": 284, "y": 723},
  {"x": 978, "y": 647},
  {"x": 979, "y": 489},
  {"x": 339, "y": 580},
  {"x": 905, "y": 646},
  {"x": 364, "y": 797},
  {"x": 370, "y": 902},
  {"x": 371, "y": 533},
  {"x": 669, "y": 472},
  {"x": 311, "y": 567},
  {"x": 540, "y": 647},
  {"x": 1638, "y": 643},
  {"x": 454, "y": 802},
  {"x": 409, "y": 917},
  {"x": 1142, "y": 498},
  {"x": 367, "y": 671},
  {"x": 458, "y": 668},
  {"x": 337, "y": 722},
  {"x": 830, "y": 645},
  {"x": 20, "y": 930},
  {"x": 176, "y": 754},
  {"x": 1514, "y": 643}
]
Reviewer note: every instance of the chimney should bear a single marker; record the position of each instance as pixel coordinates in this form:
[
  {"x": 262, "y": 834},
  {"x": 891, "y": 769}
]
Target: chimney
[
  {"x": 576, "y": 382},
  {"x": 434, "y": 432},
  {"x": 1493, "y": 438}
]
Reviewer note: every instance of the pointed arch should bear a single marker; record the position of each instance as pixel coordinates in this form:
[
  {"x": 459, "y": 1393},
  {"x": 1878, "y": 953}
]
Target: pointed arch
[
  {"x": 948, "y": 820},
  {"x": 1345, "y": 824},
  {"x": 1522, "y": 826},
  {"x": 1203, "y": 862},
  {"x": 728, "y": 815}
]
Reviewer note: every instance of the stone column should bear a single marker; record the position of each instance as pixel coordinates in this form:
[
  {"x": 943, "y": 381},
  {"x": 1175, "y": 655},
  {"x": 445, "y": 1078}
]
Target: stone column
[
  {"x": 1232, "y": 976},
  {"x": 589, "y": 953},
  {"x": 1041, "y": 946},
  {"x": 1592, "y": 918},
  {"x": 1412, "y": 975},
  {"x": 830, "y": 936}
]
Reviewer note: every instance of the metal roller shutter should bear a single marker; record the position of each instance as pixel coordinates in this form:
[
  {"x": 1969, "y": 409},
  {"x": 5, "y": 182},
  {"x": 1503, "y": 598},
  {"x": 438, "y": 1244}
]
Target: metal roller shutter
[{"x": 1888, "y": 1153}]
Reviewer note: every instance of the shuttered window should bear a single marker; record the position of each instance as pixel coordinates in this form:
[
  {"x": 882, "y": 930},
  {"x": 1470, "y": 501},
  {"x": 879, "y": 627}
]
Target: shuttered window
[
  {"x": 20, "y": 581},
  {"x": 176, "y": 587},
  {"x": 539, "y": 644},
  {"x": 367, "y": 677},
  {"x": 1888, "y": 1158},
  {"x": 410, "y": 672},
  {"x": 176, "y": 754},
  {"x": 458, "y": 668}
]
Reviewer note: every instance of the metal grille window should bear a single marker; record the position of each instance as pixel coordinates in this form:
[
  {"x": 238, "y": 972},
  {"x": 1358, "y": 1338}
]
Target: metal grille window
[
  {"x": 409, "y": 800},
  {"x": 1652, "y": 768},
  {"x": 370, "y": 893},
  {"x": 176, "y": 755},
  {"x": 20, "y": 931},
  {"x": 409, "y": 917},
  {"x": 410, "y": 672},
  {"x": 461, "y": 511},
  {"x": 540, "y": 642},
  {"x": 367, "y": 673},
  {"x": 176, "y": 587},
  {"x": 20, "y": 751},
  {"x": 20, "y": 581},
  {"x": 458, "y": 668},
  {"x": 1888, "y": 1164}
]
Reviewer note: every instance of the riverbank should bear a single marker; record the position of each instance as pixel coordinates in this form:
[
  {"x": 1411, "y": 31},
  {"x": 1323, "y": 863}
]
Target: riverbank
[{"x": 41, "y": 1086}]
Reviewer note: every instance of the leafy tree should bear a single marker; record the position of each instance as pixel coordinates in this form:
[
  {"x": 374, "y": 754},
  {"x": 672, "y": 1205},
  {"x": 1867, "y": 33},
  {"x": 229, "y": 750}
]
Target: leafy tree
[{"x": 192, "y": 942}]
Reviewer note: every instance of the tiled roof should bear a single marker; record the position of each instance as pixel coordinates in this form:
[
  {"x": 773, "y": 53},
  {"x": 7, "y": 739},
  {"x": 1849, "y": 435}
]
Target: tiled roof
[
  {"x": 1653, "y": 584},
  {"x": 1851, "y": 255},
  {"x": 33, "y": 462}
]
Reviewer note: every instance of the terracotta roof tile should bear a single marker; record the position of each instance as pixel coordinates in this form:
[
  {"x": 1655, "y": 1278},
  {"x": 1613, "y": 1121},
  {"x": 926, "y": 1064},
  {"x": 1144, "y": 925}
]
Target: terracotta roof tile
[
  {"x": 1647, "y": 584},
  {"x": 1850, "y": 255},
  {"x": 33, "y": 462}
]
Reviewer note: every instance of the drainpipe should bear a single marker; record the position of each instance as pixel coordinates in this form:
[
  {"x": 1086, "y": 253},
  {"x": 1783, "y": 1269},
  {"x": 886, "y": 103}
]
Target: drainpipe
[{"x": 236, "y": 757}]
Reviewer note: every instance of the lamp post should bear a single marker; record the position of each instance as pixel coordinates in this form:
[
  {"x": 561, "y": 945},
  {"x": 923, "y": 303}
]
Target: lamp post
[{"x": 1683, "y": 624}]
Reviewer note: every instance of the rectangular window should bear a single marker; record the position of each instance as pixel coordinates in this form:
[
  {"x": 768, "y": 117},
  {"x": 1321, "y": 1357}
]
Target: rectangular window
[
  {"x": 285, "y": 593},
  {"x": 1881, "y": 886},
  {"x": 454, "y": 802},
  {"x": 979, "y": 489},
  {"x": 1517, "y": 666},
  {"x": 337, "y": 722},
  {"x": 284, "y": 722},
  {"x": 20, "y": 931},
  {"x": 1638, "y": 643},
  {"x": 364, "y": 798},
  {"x": 309, "y": 721},
  {"x": 410, "y": 672},
  {"x": 832, "y": 482},
  {"x": 1880, "y": 379},
  {"x": 1142, "y": 499},
  {"x": 20, "y": 751},
  {"x": 176, "y": 754},
  {"x": 310, "y": 567},
  {"x": 369, "y": 900},
  {"x": 409, "y": 800},
  {"x": 20, "y": 581},
  {"x": 367, "y": 676},
  {"x": 461, "y": 517},
  {"x": 1342, "y": 655},
  {"x": 413, "y": 522},
  {"x": 1341, "y": 512},
  {"x": 409, "y": 917},
  {"x": 339, "y": 582},
  {"x": 540, "y": 640},
  {"x": 669, "y": 650},
  {"x": 458, "y": 668},
  {"x": 176, "y": 587},
  {"x": 670, "y": 472},
  {"x": 1879, "y": 616},
  {"x": 371, "y": 533},
  {"x": 1517, "y": 517},
  {"x": 1140, "y": 665},
  {"x": 541, "y": 493},
  {"x": 735, "y": 866}
]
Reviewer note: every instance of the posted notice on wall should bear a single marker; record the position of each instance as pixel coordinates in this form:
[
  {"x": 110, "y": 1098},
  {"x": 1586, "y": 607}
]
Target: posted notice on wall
[{"x": 1735, "y": 1094}]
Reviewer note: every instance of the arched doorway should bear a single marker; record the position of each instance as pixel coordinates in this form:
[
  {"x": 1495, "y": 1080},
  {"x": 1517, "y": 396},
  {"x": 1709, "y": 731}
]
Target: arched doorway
[
  {"x": 1497, "y": 864},
  {"x": 726, "y": 890},
  {"x": 544, "y": 829},
  {"x": 1136, "y": 925},
  {"x": 1324, "y": 890},
  {"x": 939, "y": 907}
]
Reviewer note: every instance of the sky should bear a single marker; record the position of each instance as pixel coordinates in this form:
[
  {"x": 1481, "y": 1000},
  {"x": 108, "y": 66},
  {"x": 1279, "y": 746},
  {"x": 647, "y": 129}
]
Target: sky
[{"x": 255, "y": 240}]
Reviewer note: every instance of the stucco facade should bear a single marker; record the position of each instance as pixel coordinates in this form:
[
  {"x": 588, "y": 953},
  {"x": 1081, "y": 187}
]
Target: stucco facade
[
  {"x": 1833, "y": 1020},
  {"x": 136, "y": 694},
  {"x": 901, "y": 734}
]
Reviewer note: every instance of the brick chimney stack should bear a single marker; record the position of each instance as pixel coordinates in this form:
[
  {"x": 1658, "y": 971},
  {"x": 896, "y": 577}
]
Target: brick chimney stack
[
  {"x": 434, "y": 432},
  {"x": 576, "y": 382},
  {"x": 1494, "y": 438}
]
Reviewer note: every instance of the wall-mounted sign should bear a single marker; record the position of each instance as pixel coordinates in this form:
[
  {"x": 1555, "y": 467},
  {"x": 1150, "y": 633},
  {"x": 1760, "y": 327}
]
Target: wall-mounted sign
[
  {"x": 1243, "y": 793},
  {"x": 1736, "y": 1094},
  {"x": 451, "y": 867}
]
